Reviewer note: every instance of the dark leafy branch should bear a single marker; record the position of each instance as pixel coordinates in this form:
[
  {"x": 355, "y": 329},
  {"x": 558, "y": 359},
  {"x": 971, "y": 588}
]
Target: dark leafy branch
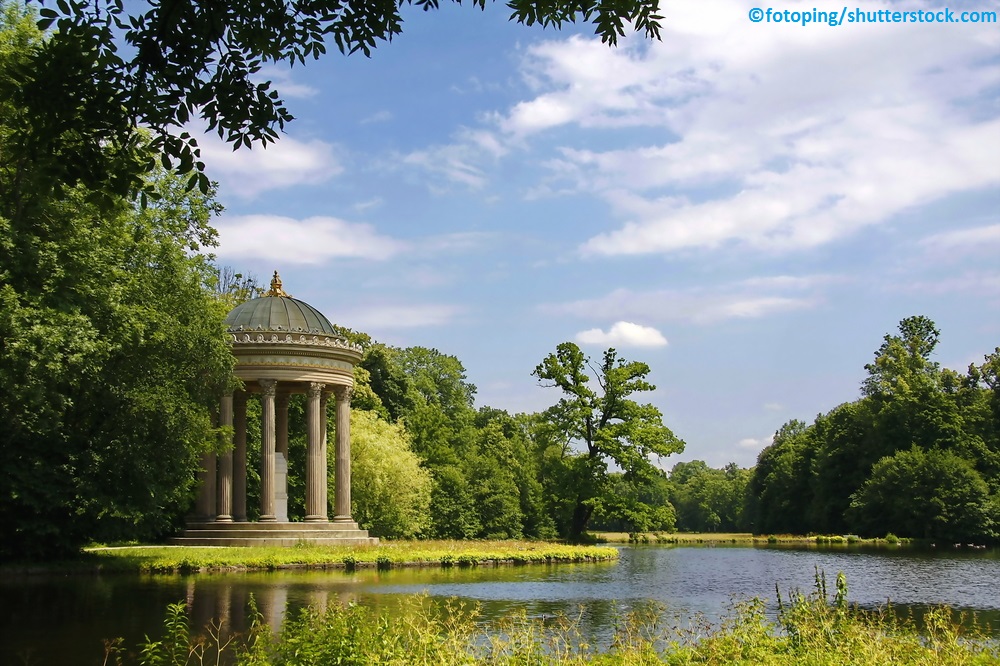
[{"x": 180, "y": 60}]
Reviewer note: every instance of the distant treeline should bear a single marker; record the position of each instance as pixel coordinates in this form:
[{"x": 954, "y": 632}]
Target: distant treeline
[{"x": 917, "y": 455}]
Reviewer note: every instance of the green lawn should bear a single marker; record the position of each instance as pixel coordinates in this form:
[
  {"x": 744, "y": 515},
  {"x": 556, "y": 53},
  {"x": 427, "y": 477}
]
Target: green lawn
[{"x": 169, "y": 559}]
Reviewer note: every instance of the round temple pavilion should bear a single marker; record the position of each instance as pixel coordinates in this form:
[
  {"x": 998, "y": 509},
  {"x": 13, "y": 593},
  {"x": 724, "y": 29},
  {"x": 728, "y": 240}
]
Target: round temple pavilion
[{"x": 283, "y": 346}]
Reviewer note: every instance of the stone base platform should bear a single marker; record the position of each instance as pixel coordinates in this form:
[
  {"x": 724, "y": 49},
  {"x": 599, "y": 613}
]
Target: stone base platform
[{"x": 273, "y": 534}]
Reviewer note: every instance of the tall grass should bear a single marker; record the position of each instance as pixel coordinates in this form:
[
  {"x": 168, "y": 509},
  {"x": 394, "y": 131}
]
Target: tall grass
[{"x": 811, "y": 629}]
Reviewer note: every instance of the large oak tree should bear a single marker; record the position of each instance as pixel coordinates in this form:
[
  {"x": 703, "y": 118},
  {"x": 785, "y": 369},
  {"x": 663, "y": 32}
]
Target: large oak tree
[{"x": 611, "y": 428}]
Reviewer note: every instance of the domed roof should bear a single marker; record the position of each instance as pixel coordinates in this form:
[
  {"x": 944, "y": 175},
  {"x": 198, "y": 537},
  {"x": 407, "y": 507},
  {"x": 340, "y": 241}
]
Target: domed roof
[{"x": 277, "y": 311}]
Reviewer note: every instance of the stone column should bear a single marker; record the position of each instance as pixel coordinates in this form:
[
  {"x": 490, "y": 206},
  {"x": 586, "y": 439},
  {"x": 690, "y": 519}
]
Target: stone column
[
  {"x": 342, "y": 501},
  {"x": 205, "y": 504},
  {"x": 281, "y": 423},
  {"x": 240, "y": 457},
  {"x": 281, "y": 457},
  {"x": 325, "y": 486},
  {"x": 224, "y": 498},
  {"x": 267, "y": 450},
  {"x": 315, "y": 479}
]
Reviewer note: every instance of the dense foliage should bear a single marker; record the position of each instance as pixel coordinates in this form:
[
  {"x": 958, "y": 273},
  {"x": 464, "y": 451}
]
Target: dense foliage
[
  {"x": 111, "y": 351},
  {"x": 918, "y": 454}
]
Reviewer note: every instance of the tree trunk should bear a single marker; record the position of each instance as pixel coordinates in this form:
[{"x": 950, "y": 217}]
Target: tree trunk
[{"x": 581, "y": 517}]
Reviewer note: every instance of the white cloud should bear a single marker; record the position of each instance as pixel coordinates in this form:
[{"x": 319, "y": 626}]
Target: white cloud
[
  {"x": 281, "y": 80},
  {"x": 779, "y": 137},
  {"x": 313, "y": 240},
  {"x": 370, "y": 203},
  {"x": 462, "y": 162},
  {"x": 773, "y": 406},
  {"x": 703, "y": 305},
  {"x": 982, "y": 283},
  {"x": 247, "y": 173},
  {"x": 377, "y": 117},
  {"x": 623, "y": 334},
  {"x": 755, "y": 443},
  {"x": 460, "y": 242},
  {"x": 963, "y": 241},
  {"x": 384, "y": 317}
]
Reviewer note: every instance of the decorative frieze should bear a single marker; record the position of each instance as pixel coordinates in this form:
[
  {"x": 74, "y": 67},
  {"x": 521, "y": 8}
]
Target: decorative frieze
[{"x": 242, "y": 336}]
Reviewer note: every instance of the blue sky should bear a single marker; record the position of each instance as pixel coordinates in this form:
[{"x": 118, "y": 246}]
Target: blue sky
[{"x": 746, "y": 207}]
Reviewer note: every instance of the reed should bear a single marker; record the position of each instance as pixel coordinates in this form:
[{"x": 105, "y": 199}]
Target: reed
[{"x": 811, "y": 629}]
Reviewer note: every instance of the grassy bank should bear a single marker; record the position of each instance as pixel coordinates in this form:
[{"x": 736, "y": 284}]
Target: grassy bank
[
  {"x": 744, "y": 538},
  {"x": 187, "y": 559},
  {"x": 811, "y": 630}
]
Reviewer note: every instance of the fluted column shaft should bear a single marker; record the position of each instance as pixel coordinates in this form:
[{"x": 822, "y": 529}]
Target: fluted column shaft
[
  {"x": 224, "y": 496},
  {"x": 240, "y": 457},
  {"x": 323, "y": 456},
  {"x": 267, "y": 428},
  {"x": 206, "y": 489},
  {"x": 315, "y": 478},
  {"x": 342, "y": 501},
  {"x": 281, "y": 424}
]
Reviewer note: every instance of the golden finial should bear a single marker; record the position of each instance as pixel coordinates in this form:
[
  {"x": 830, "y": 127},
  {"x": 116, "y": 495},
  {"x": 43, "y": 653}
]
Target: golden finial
[{"x": 276, "y": 289}]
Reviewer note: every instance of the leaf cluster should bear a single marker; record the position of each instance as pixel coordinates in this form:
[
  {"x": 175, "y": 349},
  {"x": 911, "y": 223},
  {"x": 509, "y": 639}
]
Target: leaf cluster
[{"x": 183, "y": 60}]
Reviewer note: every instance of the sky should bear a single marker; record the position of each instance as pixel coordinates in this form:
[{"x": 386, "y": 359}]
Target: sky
[{"x": 746, "y": 207}]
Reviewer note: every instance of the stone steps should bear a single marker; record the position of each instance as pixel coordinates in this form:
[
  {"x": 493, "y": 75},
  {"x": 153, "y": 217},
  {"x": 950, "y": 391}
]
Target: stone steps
[
  {"x": 273, "y": 534},
  {"x": 272, "y": 541}
]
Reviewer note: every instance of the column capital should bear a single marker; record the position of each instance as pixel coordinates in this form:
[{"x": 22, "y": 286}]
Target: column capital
[
  {"x": 342, "y": 392},
  {"x": 270, "y": 386},
  {"x": 316, "y": 389}
]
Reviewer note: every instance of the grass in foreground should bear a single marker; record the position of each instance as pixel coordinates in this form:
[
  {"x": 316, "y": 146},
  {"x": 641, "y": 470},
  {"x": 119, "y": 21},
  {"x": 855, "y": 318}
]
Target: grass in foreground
[
  {"x": 188, "y": 559},
  {"x": 811, "y": 630}
]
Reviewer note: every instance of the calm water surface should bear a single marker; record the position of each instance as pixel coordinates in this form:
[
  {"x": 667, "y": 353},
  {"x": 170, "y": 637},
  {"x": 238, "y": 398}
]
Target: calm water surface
[{"x": 62, "y": 620}]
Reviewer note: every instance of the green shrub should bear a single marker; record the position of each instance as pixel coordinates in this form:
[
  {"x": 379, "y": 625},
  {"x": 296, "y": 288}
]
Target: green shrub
[{"x": 811, "y": 629}]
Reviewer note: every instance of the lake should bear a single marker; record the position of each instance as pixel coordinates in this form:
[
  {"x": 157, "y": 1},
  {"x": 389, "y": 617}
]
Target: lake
[{"x": 62, "y": 620}]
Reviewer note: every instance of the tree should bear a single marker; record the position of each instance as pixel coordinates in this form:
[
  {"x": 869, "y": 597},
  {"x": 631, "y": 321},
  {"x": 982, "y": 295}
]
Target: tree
[
  {"x": 111, "y": 357},
  {"x": 707, "y": 499},
  {"x": 390, "y": 491},
  {"x": 636, "y": 507},
  {"x": 507, "y": 440},
  {"x": 111, "y": 348},
  {"x": 437, "y": 409},
  {"x": 915, "y": 424},
  {"x": 234, "y": 288},
  {"x": 453, "y": 505},
  {"x": 387, "y": 379},
  {"x": 612, "y": 428},
  {"x": 781, "y": 485},
  {"x": 186, "y": 59},
  {"x": 925, "y": 494},
  {"x": 903, "y": 360}
]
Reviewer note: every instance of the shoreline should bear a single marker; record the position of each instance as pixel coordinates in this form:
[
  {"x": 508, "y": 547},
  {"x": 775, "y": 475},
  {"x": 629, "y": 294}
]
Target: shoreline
[
  {"x": 166, "y": 560},
  {"x": 746, "y": 538}
]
